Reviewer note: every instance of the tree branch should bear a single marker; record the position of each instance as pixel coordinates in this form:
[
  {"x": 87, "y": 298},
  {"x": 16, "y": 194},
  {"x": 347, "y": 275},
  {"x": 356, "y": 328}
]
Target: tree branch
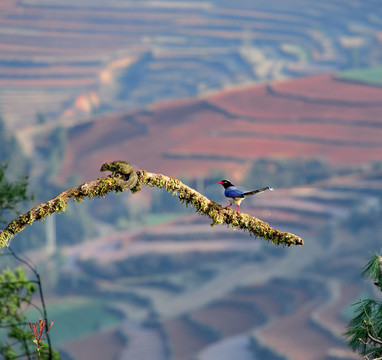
[
  {"x": 120, "y": 182},
  {"x": 374, "y": 339}
]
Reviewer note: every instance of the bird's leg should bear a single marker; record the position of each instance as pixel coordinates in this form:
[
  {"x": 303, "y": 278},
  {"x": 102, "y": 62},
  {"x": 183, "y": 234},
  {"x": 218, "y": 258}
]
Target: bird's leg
[
  {"x": 228, "y": 206},
  {"x": 238, "y": 209}
]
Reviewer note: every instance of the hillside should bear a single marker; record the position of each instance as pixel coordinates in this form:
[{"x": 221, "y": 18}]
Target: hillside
[
  {"x": 315, "y": 117},
  {"x": 68, "y": 60}
]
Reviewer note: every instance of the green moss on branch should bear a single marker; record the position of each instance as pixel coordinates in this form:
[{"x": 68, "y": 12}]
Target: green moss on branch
[
  {"x": 188, "y": 196},
  {"x": 218, "y": 215},
  {"x": 97, "y": 188}
]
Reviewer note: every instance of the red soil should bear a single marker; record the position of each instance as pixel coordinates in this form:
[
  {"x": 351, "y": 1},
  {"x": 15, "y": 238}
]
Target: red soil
[
  {"x": 294, "y": 335},
  {"x": 228, "y": 130},
  {"x": 102, "y": 345},
  {"x": 184, "y": 340},
  {"x": 325, "y": 87},
  {"x": 229, "y": 319}
]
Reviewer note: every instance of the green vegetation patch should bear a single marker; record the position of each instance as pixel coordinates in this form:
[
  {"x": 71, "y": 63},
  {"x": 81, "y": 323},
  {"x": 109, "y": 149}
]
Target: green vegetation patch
[
  {"x": 77, "y": 317},
  {"x": 371, "y": 75}
]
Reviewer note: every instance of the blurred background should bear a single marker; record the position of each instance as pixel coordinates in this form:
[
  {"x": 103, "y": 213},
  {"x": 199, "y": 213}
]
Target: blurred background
[{"x": 265, "y": 93}]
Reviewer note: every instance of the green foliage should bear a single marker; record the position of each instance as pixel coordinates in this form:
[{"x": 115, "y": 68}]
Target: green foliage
[
  {"x": 44, "y": 353},
  {"x": 16, "y": 339},
  {"x": 12, "y": 152},
  {"x": 13, "y": 185},
  {"x": 16, "y": 293},
  {"x": 10, "y": 192},
  {"x": 15, "y": 289},
  {"x": 372, "y": 270},
  {"x": 9, "y": 353},
  {"x": 364, "y": 332}
]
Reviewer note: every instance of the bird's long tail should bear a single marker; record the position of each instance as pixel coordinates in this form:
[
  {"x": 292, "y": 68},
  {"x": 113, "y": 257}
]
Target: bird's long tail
[{"x": 254, "y": 192}]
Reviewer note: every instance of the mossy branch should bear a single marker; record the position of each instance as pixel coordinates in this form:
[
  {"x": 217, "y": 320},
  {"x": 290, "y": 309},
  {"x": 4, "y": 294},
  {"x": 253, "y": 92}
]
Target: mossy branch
[{"x": 119, "y": 182}]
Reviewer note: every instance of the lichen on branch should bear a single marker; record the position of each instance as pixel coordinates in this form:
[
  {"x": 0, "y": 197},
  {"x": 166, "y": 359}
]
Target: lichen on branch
[
  {"x": 119, "y": 181},
  {"x": 219, "y": 215}
]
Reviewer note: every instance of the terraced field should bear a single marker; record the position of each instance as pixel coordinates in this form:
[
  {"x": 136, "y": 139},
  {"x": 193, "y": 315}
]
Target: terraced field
[
  {"x": 182, "y": 279},
  {"x": 316, "y": 117},
  {"x": 293, "y": 298},
  {"x": 289, "y": 302},
  {"x": 129, "y": 54},
  {"x": 208, "y": 293}
]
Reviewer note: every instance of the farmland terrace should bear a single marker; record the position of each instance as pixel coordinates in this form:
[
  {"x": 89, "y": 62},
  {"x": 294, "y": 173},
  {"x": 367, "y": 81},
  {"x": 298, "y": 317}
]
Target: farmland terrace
[
  {"x": 190, "y": 282},
  {"x": 203, "y": 292},
  {"x": 316, "y": 117},
  {"x": 71, "y": 59}
]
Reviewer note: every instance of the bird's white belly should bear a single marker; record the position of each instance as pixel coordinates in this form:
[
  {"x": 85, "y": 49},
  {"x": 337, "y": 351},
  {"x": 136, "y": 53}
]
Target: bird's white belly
[{"x": 236, "y": 201}]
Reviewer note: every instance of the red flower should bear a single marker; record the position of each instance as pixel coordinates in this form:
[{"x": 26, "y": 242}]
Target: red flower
[{"x": 38, "y": 329}]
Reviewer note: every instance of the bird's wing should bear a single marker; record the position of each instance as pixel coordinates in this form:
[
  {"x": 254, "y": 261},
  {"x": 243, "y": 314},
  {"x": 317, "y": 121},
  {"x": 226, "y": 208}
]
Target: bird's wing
[
  {"x": 253, "y": 192},
  {"x": 233, "y": 192}
]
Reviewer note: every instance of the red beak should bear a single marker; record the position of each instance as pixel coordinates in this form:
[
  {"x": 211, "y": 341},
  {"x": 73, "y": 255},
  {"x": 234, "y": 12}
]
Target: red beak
[{"x": 220, "y": 182}]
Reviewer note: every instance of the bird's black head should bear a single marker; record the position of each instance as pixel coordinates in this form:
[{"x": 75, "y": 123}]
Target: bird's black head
[{"x": 225, "y": 183}]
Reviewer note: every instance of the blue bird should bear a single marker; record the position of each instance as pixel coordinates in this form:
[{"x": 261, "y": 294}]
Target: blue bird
[{"x": 235, "y": 195}]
